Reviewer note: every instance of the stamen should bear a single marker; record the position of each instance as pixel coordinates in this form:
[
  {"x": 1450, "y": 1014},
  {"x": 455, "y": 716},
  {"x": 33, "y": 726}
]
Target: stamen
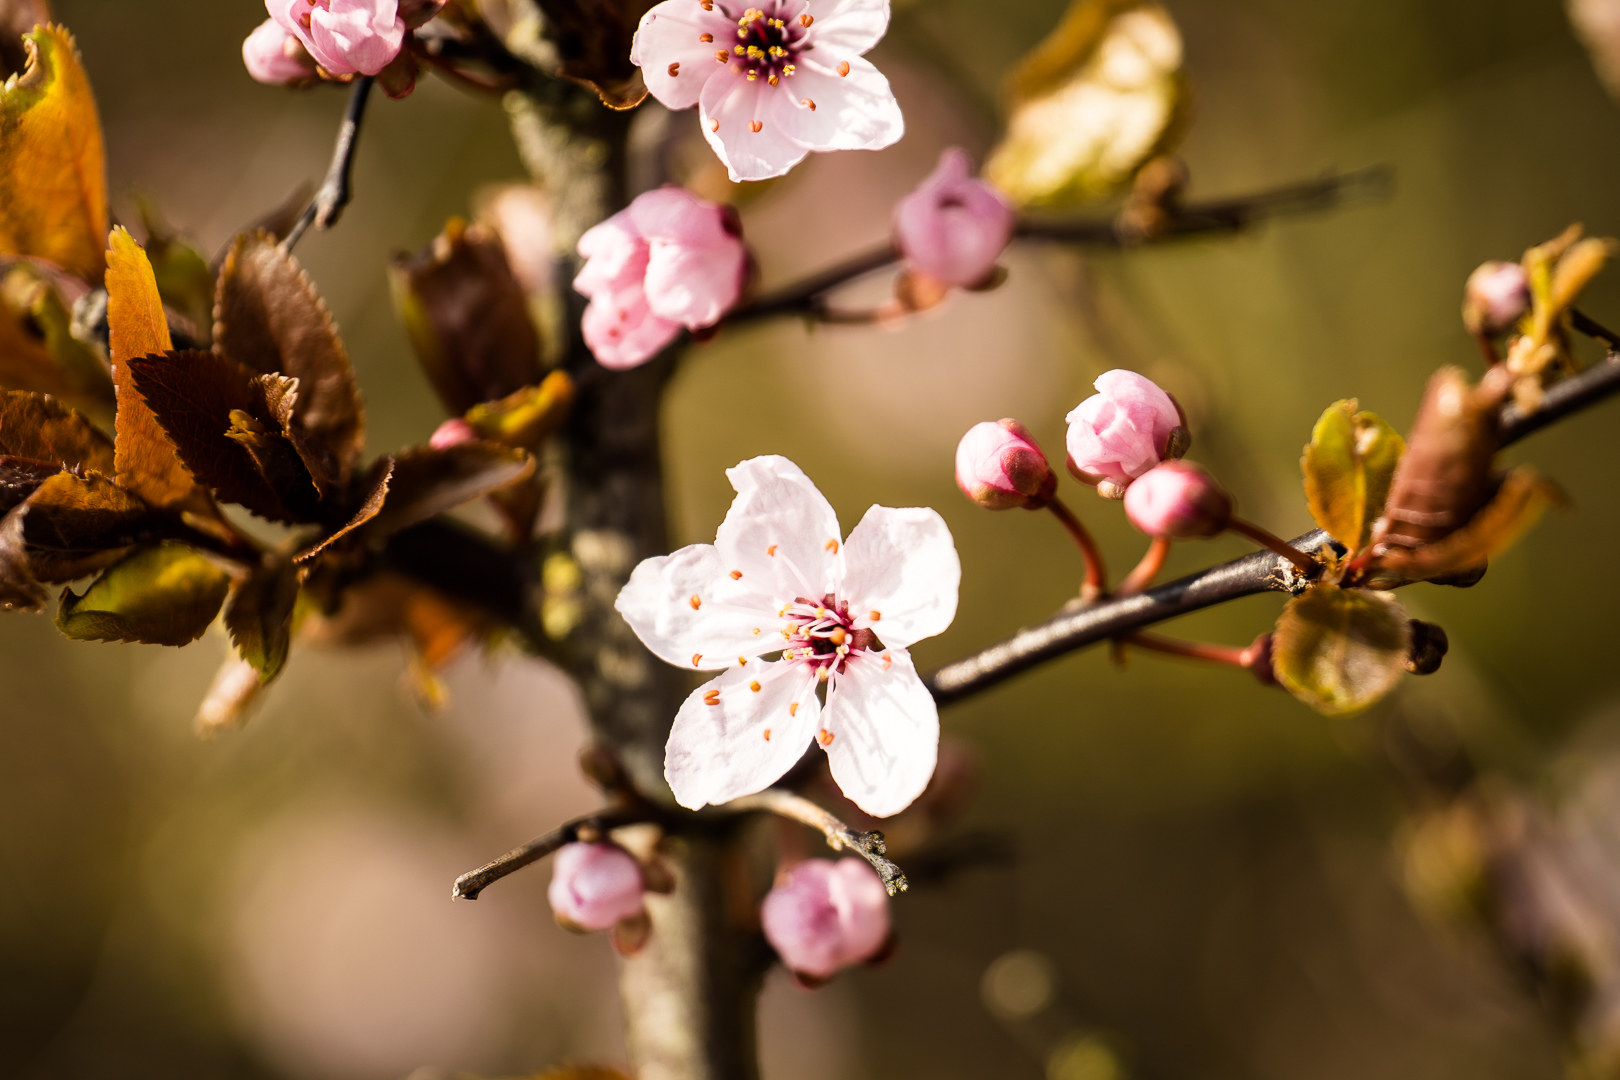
[
  {"x": 788, "y": 69},
  {"x": 695, "y": 658},
  {"x": 742, "y": 661},
  {"x": 722, "y": 56},
  {"x": 752, "y": 75},
  {"x": 806, "y": 20},
  {"x": 832, "y": 546},
  {"x": 696, "y": 602},
  {"x": 674, "y": 69},
  {"x": 771, "y": 550},
  {"x": 754, "y": 686},
  {"x": 714, "y": 125},
  {"x": 793, "y": 709},
  {"x": 712, "y": 698},
  {"x": 708, "y": 5},
  {"x": 874, "y": 615},
  {"x": 824, "y": 674},
  {"x": 887, "y": 660},
  {"x": 807, "y": 103},
  {"x": 756, "y": 631},
  {"x": 825, "y": 737},
  {"x": 771, "y": 80},
  {"x": 767, "y": 734},
  {"x": 739, "y": 50},
  {"x": 705, "y": 38},
  {"x": 837, "y": 636},
  {"x": 843, "y": 68},
  {"x": 736, "y": 575}
]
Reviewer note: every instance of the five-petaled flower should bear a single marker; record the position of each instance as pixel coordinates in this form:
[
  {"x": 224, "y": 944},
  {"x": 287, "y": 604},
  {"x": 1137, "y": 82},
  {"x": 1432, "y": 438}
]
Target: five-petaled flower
[
  {"x": 780, "y": 578},
  {"x": 772, "y": 83},
  {"x": 668, "y": 260}
]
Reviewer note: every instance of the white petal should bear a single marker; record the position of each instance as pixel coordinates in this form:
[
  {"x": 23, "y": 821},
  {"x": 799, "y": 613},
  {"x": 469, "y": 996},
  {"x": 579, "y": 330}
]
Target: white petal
[
  {"x": 884, "y": 729},
  {"x": 902, "y": 565},
  {"x": 728, "y": 620},
  {"x": 670, "y": 34},
  {"x": 781, "y": 533},
  {"x": 729, "y": 107},
  {"x": 848, "y": 26},
  {"x": 853, "y": 112},
  {"x": 746, "y": 740}
]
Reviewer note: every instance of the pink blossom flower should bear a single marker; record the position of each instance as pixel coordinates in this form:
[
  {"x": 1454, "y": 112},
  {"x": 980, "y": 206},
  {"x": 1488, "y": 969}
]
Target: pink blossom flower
[
  {"x": 772, "y": 83},
  {"x": 999, "y": 466},
  {"x": 779, "y": 578},
  {"x": 1179, "y": 500},
  {"x": 1497, "y": 296},
  {"x": 954, "y": 226},
  {"x": 668, "y": 260},
  {"x": 453, "y": 432},
  {"x": 593, "y": 886},
  {"x": 346, "y": 37},
  {"x": 826, "y": 916},
  {"x": 276, "y": 57},
  {"x": 1123, "y": 430}
]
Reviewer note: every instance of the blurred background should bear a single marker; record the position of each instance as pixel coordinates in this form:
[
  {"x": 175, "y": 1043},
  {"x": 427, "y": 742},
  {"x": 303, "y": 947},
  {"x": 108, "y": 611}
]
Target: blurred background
[{"x": 1200, "y": 870}]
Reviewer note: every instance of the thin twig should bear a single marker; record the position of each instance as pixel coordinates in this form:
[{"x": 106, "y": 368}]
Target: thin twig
[
  {"x": 1260, "y": 572},
  {"x": 1593, "y": 329},
  {"x": 1096, "y": 583},
  {"x": 1191, "y": 650},
  {"x": 1268, "y": 539},
  {"x": 1194, "y": 219},
  {"x": 324, "y": 209},
  {"x": 1142, "y": 575},
  {"x": 470, "y": 884},
  {"x": 868, "y": 845}
]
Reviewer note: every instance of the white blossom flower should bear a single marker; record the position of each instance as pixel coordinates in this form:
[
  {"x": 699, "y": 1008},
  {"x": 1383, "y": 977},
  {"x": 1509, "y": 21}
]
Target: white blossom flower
[
  {"x": 773, "y": 82},
  {"x": 780, "y": 578}
]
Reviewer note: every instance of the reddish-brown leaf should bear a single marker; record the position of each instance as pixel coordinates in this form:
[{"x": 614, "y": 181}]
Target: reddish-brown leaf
[
  {"x": 268, "y": 316},
  {"x": 76, "y": 525},
  {"x": 42, "y": 429},
  {"x": 428, "y": 482},
  {"x": 18, "y": 589},
  {"x": 20, "y": 478},
  {"x": 375, "y": 490}
]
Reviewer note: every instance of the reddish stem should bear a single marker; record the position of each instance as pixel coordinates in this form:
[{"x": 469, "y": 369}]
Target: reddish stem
[
  {"x": 1145, "y": 571},
  {"x": 1304, "y": 562},
  {"x": 1193, "y": 650},
  {"x": 1096, "y": 582}
]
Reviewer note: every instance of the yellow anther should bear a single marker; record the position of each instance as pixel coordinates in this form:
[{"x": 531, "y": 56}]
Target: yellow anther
[
  {"x": 722, "y": 56},
  {"x": 705, "y": 38},
  {"x": 843, "y": 68},
  {"x": 754, "y": 125},
  {"x": 771, "y": 80},
  {"x": 754, "y": 686},
  {"x": 837, "y": 636},
  {"x": 806, "y": 20},
  {"x": 788, "y": 69},
  {"x": 807, "y": 103},
  {"x": 696, "y": 602},
  {"x": 793, "y": 709},
  {"x": 736, "y": 575}
]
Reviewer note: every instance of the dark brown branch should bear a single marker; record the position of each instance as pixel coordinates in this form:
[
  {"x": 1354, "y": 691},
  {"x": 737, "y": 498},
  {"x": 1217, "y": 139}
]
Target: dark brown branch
[
  {"x": 1196, "y": 219},
  {"x": 1257, "y": 573},
  {"x": 868, "y": 845},
  {"x": 323, "y": 210},
  {"x": 470, "y": 884}
]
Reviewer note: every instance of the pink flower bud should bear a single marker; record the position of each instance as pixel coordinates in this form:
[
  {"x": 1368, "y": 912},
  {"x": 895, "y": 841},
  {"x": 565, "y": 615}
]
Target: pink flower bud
[
  {"x": 346, "y": 37},
  {"x": 1496, "y": 297},
  {"x": 668, "y": 260},
  {"x": 1179, "y": 500},
  {"x": 1122, "y": 431},
  {"x": 954, "y": 226},
  {"x": 453, "y": 432},
  {"x": 593, "y": 886},
  {"x": 827, "y": 916},
  {"x": 275, "y": 57},
  {"x": 999, "y": 466}
]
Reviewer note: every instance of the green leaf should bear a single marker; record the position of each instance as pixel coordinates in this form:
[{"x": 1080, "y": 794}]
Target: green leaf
[
  {"x": 1348, "y": 468},
  {"x": 163, "y": 595},
  {"x": 268, "y": 317},
  {"x": 526, "y": 418},
  {"x": 76, "y": 525},
  {"x": 34, "y": 426},
  {"x": 1340, "y": 650},
  {"x": 1098, "y": 98},
  {"x": 466, "y": 316},
  {"x": 259, "y": 618}
]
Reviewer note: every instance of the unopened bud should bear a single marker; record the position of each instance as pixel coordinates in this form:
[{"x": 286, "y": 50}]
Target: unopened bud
[
  {"x": 1178, "y": 500},
  {"x": 826, "y": 916},
  {"x": 1123, "y": 430},
  {"x": 453, "y": 432},
  {"x": 999, "y": 466},
  {"x": 1497, "y": 296},
  {"x": 1429, "y": 647},
  {"x": 954, "y": 226},
  {"x": 593, "y": 886},
  {"x": 231, "y": 697}
]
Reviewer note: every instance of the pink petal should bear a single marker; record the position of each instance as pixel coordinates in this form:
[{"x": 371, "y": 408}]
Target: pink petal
[
  {"x": 729, "y": 107},
  {"x": 595, "y": 885},
  {"x": 954, "y": 227},
  {"x": 902, "y": 564},
  {"x": 621, "y": 330},
  {"x": 826, "y": 916},
  {"x": 719, "y": 749},
  {"x": 265, "y": 54},
  {"x": 884, "y": 729},
  {"x": 669, "y": 35},
  {"x": 356, "y": 36},
  {"x": 849, "y": 27},
  {"x": 853, "y": 112},
  {"x": 781, "y": 530},
  {"x": 615, "y": 255}
]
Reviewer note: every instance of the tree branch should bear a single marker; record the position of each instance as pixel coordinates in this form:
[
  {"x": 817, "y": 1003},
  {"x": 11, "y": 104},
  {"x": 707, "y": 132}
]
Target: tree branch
[
  {"x": 470, "y": 884},
  {"x": 1260, "y": 572},
  {"x": 323, "y": 210},
  {"x": 868, "y": 845},
  {"x": 1196, "y": 219}
]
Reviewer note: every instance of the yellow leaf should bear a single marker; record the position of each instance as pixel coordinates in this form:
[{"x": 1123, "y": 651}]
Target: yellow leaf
[
  {"x": 147, "y": 461},
  {"x": 1340, "y": 650},
  {"x": 1099, "y": 97},
  {"x": 164, "y": 595},
  {"x": 53, "y": 171},
  {"x": 1348, "y": 467}
]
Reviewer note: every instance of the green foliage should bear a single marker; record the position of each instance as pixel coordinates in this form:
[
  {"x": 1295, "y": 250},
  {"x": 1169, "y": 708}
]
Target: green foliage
[
  {"x": 162, "y": 595},
  {"x": 1348, "y": 468},
  {"x": 1340, "y": 650}
]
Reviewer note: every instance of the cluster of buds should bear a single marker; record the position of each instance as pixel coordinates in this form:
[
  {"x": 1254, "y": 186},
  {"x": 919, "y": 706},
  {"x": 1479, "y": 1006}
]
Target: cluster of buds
[{"x": 337, "y": 40}]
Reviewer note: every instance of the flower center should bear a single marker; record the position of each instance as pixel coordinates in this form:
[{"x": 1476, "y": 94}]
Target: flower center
[
  {"x": 767, "y": 46},
  {"x": 822, "y": 634}
]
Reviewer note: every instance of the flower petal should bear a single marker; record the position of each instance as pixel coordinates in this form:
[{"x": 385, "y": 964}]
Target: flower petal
[
  {"x": 781, "y": 533},
  {"x": 729, "y": 107},
  {"x": 882, "y": 732},
  {"x": 696, "y": 262},
  {"x": 849, "y": 26},
  {"x": 901, "y": 566},
  {"x": 853, "y": 112},
  {"x": 621, "y": 330},
  {"x": 710, "y": 633},
  {"x": 356, "y": 36},
  {"x": 731, "y": 740},
  {"x": 669, "y": 37},
  {"x": 615, "y": 255}
]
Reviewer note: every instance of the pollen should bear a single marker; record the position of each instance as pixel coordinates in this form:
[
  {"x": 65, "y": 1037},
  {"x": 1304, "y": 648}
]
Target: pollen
[
  {"x": 772, "y": 80},
  {"x": 707, "y": 5},
  {"x": 705, "y": 38},
  {"x": 754, "y": 686},
  {"x": 843, "y": 68},
  {"x": 832, "y": 546},
  {"x": 837, "y": 636},
  {"x": 793, "y": 709},
  {"x": 712, "y": 698},
  {"x": 788, "y": 69},
  {"x": 807, "y": 103},
  {"x": 806, "y": 20},
  {"x": 825, "y": 737},
  {"x": 756, "y": 631},
  {"x": 674, "y": 69},
  {"x": 722, "y": 56},
  {"x": 696, "y": 602},
  {"x": 736, "y": 575},
  {"x": 696, "y": 657},
  {"x": 739, "y": 50},
  {"x": 771, "y": 550},
  {"x": 752, "y": 75},
  {"x": 874, "y": 615},
  {"x": 767, "y": 734}
]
